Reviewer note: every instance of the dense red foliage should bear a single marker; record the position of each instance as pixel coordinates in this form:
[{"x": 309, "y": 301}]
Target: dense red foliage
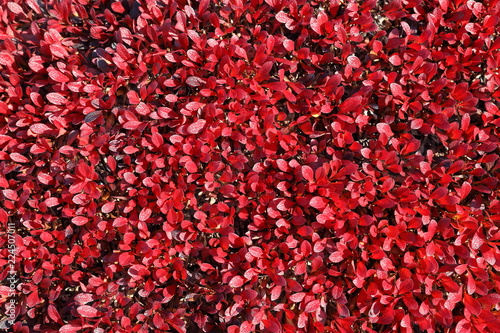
[{"x": 251, "y": 166}]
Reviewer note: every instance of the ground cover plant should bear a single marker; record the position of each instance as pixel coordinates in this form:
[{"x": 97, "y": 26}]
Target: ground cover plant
[{"x": 249, "y": 166}]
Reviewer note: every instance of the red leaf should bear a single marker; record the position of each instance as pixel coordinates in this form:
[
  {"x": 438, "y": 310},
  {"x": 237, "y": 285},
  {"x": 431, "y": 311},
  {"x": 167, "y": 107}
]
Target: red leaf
[
  {"x": 463, "y": 326},
  {"x": 191, "y": 167},
  {"x": 308, "y": 173},
  {"x": 405, "y": 322},
  {"x": 84, "y": 298},
  {"x": 416, "y": 123},
  {"x": 56, "y": 99},
  {"x": 51, "y": 202},
  {"x": 312, "y": 306},
  {"x": 395, "y": 60},
  {"x": 347, "y": 170},
  {"x": 197, "y": 126},
  {"x": 125, "y": 259},
  {"x": 305, "y": 231},
  {"x": 386, "y": 264},
  {"x": 476, "y": 242},
  {"x": 491, "y": 299},
  {"x": 193, "y": 56},
  {"x": 397, "y": 91},
  {"x": 16, "y": 157},
  {"x": 69, "y": 329},
  {"x": 54, "y": 314},
  {"x": 58, "y": 50},
  {"x": 237, "y": 281},
  {"x": 158, "y": 321},
  {"x": 58, "y": 76},
  {"x": 271, "y": 326},
  {"x": 76, "y": 188},
  {"x": 10, "y": 194},
  {"x": 300, "y": 268},
  {"x": 385, "y": 203},
  {"x": 366, "y": 220},
  {"x": 449, "y": 200},
  {"x": 247, "y": 327},
  {"x": 298, "y": 297},
  {"x": 6, "y": 59},
  {"x": 384, "y": 128},
  {"x": 351, "y": 104},
  {"x": 255, "y": 251},
  {"x": 264, "y": 72},
  {"x": 142, "y": 109},
  {"x": 449, "y": 285},
  {"x": 282, "y": 165},
  {"x": 39, "y": 128},
  {"x": 276, "y": 86},
  {"x": 194, "y": 81},
  {"x": 157, "y": 140},
  {"x": 336, "y": 257},
  {"x": 249, "y": 294},
  {"x": 132, "y": 124},
  {"x": 80, "y": 220},
  {"x": 145, "y": 214},
  {"x": 354, "y": 61},
  {"x": 14, "y": 7},
  {"x": 194, "y": 106},
  {"x": 87, "y": 311},
  {"x": 388, "y": 185},
  {"x": 283, "y": 17},
  {"x": 472, "y": 304},
  {"x": 4, "y": 217},
  {"x": 439, "y": 193},
  {"x": 440, "y": 120},
  {"x": 318, "y": 202},
  {"x": 226, "y": 189}
]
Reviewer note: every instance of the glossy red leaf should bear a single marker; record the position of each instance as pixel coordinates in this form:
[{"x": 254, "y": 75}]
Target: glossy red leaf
[
  {"x": 312, "y": 306},
  {"x": 108, "y": 207},
  {"x": 14, "y": 7},
  {"x": 354, "y": 61},
  {"x": 39, "y": 128},
  {"x": 385, "y": 128},
  {"x": 87, "y": 311},
  {"x": 297, "y": 297},
  {"x": 145, "y": 214},
  {"x": 194, "y": 81},
  {"x": 237, "y": 281},
  {"x": 439, "y": 193},
  {"x": 58, "y": 76},
  {"x": 16, "y": 157},
  {"x": 197, "y": 126},
  {"x": 385, "y": 203},
  {"x": 56, "y": 98},
  {"x": 308, "y": 173},
  {"x": 80, "y": 220},
  {"x": 246, "y": 327},
  {"x": 69, "y": 328},
  {"x": 318, "y": 202},
  {"x": 84, "y": 298},
  {"x": 54, "y": 314},
  {"x": 132, "y": 124},
  {"x": 255, "y": 251},
  {"x": 472, "y": 304}
]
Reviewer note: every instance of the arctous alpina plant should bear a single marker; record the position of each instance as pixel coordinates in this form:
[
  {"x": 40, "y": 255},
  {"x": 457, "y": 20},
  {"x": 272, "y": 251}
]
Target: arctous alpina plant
[{"x": 251, "y": 166}]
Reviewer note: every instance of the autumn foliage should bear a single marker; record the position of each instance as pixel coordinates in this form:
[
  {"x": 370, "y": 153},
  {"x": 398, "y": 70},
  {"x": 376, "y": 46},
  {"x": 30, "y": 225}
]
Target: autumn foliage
[{"x": 251, "y": 166}]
